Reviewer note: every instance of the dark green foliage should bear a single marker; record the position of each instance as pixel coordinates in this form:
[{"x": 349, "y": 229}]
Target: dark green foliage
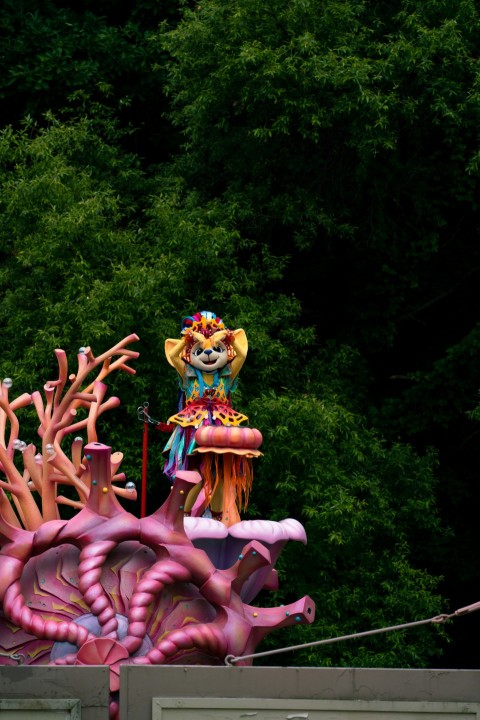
[
  {"x": 333, "y": 128},
  {"x": 59, "y": 55}
]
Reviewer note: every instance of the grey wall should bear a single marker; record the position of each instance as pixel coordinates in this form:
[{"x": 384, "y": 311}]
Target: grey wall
[
  {"x": 263, "y": 693},
  {"x": 141, "y": 684},
  {"x": 90, "y": 685}
]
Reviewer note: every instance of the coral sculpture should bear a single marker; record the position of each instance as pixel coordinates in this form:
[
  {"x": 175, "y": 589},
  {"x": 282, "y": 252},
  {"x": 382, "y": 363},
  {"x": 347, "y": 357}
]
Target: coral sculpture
[{"x": 105, "y": 587}]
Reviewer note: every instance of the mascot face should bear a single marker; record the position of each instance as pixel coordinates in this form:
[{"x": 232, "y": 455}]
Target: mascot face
[{"x": 208, "y": 357}]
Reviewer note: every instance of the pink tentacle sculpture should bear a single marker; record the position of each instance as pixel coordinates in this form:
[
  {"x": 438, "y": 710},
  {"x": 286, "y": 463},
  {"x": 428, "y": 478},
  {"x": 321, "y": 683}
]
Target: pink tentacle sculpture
[
  {"x": 92, "y": 560},
  {"x": 20, "y": 614},
  {"x": 164, "y": 572},
  {"x": 208, "y": 639}
]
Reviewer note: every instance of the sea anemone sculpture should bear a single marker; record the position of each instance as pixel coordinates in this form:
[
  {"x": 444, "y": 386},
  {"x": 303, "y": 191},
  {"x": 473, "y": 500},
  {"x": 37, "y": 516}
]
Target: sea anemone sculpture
[{"x": 104, "y": 586}]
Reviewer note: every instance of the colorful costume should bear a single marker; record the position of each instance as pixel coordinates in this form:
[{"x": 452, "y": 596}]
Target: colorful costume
[
  {"x": 207, "y": 402},
  {"x": 208, "y": 359}
]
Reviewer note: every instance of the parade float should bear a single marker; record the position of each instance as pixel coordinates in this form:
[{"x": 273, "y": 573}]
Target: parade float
[{"x": 101, "y": 586}]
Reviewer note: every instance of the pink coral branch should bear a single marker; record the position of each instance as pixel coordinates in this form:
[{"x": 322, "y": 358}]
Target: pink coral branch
[
  {"x": 120, "y": 363},
  {"x": 21, "y": 401},
  {"x": 127, "y": 493},
  {"x": 99, "y": 390},
  {"x": 6, "y": 510},
  {"x": 77, "y": 448},
  {"x": 82, "y": 360},
  {"x": 33, "y": 468},
  {"x": 115, "y": 462},
  {"x": 87, "y": 362},
  {"x": 65, "y": 421},
  {"x": 96, "y": 411},
  {"x": 17, "y": 498},
  {"x": 126, "y": 368},
  {"x": 119, "y": 477},
  {"x": 59, "y": 423},
  {"x": 76, "y": 427},
  {"x": 49, "y": 394},
  {"x": 38, "y": 403},
  {"x": 62, "y": 374},
  {"x": 49, "y": 507},
  {"x": 87, "y": 396},
  {"x": 62, "y": 500},
  {"x": 55, "y": 414},
  {"x": 3, "y": 415},
  {"x": 90, "y": 422},
  {"x": 21, "y": 495},
  {"x": 7, "y": 413},
  {"x": 61, "y": 463},
  {"x": 17, "y": 484}
]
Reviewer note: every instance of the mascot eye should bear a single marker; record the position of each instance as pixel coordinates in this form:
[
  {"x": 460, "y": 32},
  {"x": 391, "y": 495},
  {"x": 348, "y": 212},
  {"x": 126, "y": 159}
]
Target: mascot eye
[
  {"x": 218, "y": 349},
  {"x": 198, "y": 351}
]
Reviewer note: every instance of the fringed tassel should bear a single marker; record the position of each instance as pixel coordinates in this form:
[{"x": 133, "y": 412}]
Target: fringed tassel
[
  {"x": 230, "y": 509},
  {"x": 210, "y": 473},
  {"x": 236, "y": 472},
  {"x": 242, "y": 479},
  {"x": 179, "y": 447}
]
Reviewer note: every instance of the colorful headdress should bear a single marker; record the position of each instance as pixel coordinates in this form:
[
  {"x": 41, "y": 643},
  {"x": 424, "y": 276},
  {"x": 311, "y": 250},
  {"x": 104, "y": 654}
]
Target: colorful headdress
[{"x": 204, "y": 322}]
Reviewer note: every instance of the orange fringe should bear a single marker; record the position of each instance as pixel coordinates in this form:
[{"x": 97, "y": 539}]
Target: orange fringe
[{"x": 236, "y": 471}]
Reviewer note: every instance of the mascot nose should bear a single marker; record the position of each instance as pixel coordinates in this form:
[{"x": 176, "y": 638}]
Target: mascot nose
[{"x": 208, "y": 352}]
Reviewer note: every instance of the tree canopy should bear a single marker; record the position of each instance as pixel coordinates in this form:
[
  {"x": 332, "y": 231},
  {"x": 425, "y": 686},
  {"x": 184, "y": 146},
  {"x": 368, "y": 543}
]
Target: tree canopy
[{"x": 309, "y": 170}]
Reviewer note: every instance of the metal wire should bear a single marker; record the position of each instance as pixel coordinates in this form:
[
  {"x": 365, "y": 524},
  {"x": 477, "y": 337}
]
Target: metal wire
[{"x": 438, "y": 619}]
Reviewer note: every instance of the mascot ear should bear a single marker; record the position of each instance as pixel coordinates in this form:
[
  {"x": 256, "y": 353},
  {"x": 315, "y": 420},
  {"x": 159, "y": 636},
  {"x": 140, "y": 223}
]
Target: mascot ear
[
  {"x": 241, "y": 342},
  {"x": 169, "y": 346}
]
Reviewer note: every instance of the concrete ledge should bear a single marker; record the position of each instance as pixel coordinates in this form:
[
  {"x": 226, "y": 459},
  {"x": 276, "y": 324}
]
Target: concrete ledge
[
  {"x": 141, "y": 685},
  {"x": 89, "y": 685}
]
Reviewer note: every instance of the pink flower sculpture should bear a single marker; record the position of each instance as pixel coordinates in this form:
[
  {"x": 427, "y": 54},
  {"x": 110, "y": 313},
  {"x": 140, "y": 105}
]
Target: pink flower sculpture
[{"x": 105, "y": 587}]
